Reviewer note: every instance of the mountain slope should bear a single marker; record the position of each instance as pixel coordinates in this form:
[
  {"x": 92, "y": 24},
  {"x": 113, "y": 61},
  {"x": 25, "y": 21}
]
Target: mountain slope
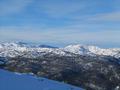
[
  {"x": 89, "y": 72},
  {"x": 88, "y": 67}
]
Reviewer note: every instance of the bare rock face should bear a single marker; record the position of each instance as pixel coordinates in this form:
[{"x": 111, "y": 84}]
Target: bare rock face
[{"x": 89, "y": 72}]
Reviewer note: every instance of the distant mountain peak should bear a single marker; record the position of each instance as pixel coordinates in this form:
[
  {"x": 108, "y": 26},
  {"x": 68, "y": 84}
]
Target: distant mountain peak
[
  {"x": 92, "y": 50},
  {"x": 17, "y": 49}
]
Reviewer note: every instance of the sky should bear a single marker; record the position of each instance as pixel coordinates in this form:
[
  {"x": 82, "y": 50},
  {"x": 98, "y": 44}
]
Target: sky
[{"x": 61, "y": 22}]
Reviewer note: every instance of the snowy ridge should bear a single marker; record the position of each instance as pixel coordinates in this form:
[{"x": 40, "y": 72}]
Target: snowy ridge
[
  {"x": 26, "y": 50},
  {"x": 93, "y": 50},
  {"x": 16, "y": 49}
]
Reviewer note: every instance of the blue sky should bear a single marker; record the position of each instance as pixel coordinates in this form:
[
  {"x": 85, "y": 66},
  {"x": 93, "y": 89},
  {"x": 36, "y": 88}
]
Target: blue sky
[{"x": 61, "y": 22}]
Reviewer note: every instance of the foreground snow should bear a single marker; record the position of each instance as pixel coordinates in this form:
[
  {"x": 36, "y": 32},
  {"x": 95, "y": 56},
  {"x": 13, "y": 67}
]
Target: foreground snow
[{"x": 14, "y": 81}]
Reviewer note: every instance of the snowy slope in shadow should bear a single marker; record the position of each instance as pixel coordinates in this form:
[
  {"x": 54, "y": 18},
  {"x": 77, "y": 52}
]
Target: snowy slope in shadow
[{"x": 12, "y": 81}]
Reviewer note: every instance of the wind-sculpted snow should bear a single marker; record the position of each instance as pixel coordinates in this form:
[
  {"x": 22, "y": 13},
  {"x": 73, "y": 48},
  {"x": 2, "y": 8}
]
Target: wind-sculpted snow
[{"x": 11, "y": 81}]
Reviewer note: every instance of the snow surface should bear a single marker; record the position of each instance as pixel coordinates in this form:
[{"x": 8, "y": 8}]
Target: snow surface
[
  {"x": 16, "y": 81},
  {"x": 26, "y": 50},
  {"x": 92, "y": 50}
]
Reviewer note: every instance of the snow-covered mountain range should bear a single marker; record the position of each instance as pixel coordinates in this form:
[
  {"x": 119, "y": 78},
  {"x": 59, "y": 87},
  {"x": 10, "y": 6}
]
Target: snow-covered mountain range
[
  {"x": 93, "y": 50},
  {"x": 26, "y": 50},
  {"x": 85, "y": 66}
]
